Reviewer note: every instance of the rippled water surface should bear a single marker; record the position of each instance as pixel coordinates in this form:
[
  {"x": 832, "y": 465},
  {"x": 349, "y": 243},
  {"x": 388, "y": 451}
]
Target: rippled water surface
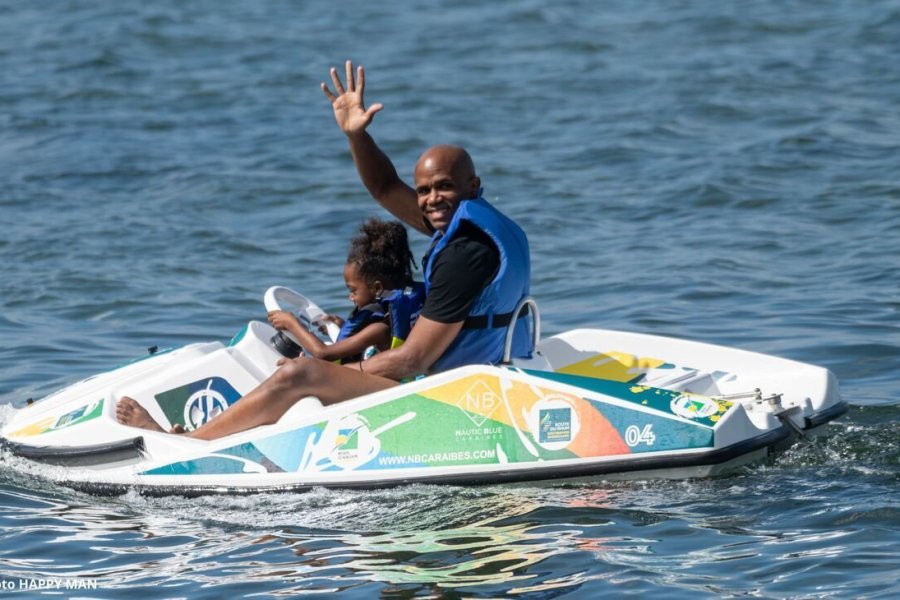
[{"x": 726, "y": 172}]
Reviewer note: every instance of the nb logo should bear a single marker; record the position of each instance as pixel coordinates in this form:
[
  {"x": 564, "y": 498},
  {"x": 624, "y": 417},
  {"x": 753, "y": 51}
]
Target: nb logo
[{"x": 479, "y": 402}]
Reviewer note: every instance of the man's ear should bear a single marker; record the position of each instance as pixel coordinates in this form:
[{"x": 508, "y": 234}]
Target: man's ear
[{"x": 474, "y": 186}]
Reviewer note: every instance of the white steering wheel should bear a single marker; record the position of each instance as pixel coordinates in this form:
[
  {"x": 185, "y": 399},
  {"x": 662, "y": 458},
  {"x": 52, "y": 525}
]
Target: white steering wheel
[{"x": 309, "y": 313}]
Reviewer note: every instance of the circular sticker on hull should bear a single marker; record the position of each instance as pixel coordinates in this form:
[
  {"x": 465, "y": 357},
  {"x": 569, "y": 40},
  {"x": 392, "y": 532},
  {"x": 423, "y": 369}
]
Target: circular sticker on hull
[
  {"x": 202, "y": 406},
  {"x": 554, "y": 422},
  {"x": 694, "y": 407},
  {"x": 354, "y": 444}
]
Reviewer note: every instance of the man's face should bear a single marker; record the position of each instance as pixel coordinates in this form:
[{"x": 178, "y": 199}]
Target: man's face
[{"x": 440, "y": 188}]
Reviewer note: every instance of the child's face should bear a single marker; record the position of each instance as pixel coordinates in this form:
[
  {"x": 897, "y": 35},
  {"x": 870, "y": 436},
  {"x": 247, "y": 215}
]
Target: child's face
[{"x": 361, "y": 293}]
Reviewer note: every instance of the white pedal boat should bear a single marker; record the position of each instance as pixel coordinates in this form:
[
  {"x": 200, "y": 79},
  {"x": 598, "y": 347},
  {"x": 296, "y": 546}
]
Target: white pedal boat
[{"x": 590, "y": 403}]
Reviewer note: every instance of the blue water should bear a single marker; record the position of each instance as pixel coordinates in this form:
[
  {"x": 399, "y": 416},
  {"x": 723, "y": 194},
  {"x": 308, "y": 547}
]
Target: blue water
[{"x": 726, "y": 172}]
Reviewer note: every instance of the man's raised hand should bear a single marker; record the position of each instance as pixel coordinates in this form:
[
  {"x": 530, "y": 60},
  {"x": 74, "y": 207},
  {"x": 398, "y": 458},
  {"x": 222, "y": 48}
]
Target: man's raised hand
[{"x": 349, "y": 109}]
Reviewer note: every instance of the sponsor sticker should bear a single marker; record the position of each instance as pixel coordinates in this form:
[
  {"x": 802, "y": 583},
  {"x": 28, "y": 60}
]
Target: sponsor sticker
[
  {"x": 347, "y": 439},
  {"x": 555, "y": 425},
  {"x": 352, "y": 443},
  {"x": 70, "y": 417},
  {"x": 694, "y": 407},
  {"x": 79, "y": 415},
  {"x": 554, "y": 422},
  {"x": 198, "y": 402}
]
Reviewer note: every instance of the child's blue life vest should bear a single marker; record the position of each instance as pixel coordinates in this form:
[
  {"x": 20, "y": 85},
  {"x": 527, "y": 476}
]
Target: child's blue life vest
[{"x": 401, "y": 307}]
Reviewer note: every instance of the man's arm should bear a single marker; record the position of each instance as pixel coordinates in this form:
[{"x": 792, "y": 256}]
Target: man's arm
[
  {"x": 375, "y": 169},
  {"x": 426, "y": 343},
  {"x": 378, "y": 174},
  {"x": 460, "y": 272}
]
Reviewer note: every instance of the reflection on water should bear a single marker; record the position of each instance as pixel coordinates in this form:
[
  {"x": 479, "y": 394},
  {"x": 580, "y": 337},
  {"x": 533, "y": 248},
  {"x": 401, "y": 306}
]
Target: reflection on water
[
  {"x": 320, "y": 540},
  {"x": 411, "y": 537}
]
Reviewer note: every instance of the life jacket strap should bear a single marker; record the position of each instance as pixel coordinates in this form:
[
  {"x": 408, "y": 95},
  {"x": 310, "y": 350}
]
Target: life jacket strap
[{"x": 487, "y": 322}]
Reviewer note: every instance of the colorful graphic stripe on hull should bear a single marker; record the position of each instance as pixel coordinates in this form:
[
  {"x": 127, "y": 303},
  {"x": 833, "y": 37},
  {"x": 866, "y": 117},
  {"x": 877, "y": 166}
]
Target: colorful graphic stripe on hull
[{"x": 479, "y": 419}]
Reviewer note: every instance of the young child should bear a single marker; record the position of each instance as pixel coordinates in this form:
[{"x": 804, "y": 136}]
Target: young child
[{"x": 387, "y": 301}]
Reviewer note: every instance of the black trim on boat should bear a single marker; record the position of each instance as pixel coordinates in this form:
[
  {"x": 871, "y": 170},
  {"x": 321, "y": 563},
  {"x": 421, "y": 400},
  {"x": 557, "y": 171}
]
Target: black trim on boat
[
  {"x": 81, "y": 456},
  {"x": 631, "y": 464},
  {"x": 823, "y": 416}
]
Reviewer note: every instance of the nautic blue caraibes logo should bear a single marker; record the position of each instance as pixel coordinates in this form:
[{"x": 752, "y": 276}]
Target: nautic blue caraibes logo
[{"x": 198, "y": 402}]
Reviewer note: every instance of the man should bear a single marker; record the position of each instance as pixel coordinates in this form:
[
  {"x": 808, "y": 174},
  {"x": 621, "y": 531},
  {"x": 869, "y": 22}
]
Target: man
[{"x": 477, "y": 270}]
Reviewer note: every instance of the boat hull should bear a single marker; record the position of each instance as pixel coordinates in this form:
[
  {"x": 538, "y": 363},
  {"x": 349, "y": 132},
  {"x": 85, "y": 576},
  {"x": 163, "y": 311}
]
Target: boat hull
[{"x": 590, "y": 403}]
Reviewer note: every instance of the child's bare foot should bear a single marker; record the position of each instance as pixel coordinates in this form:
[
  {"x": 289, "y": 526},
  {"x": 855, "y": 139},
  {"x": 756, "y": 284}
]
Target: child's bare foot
[{"x": 129, "y": 412}]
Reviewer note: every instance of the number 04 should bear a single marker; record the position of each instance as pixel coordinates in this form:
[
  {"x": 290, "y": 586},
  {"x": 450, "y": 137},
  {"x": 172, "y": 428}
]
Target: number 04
[{"x": 635, "y": 435}]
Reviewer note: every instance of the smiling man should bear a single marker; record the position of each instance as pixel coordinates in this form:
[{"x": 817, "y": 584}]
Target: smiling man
[{"x": 477, "y": 269}]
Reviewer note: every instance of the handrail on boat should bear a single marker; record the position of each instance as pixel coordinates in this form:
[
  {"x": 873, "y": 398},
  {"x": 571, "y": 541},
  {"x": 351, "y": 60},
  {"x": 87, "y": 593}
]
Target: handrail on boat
[{"x": 510, "y": 329}]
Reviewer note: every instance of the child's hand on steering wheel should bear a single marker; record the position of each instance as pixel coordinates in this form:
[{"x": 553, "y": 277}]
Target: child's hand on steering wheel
[
  {"x": 329, "y": 319},
  {"x": 281, "y": 319}
]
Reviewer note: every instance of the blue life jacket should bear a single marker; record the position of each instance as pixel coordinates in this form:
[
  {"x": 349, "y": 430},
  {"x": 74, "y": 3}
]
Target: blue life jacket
[
  {"x": 359, "y": 319},
  {"x": 483, "y": 335},
  {"x": 402, "y": 306}
]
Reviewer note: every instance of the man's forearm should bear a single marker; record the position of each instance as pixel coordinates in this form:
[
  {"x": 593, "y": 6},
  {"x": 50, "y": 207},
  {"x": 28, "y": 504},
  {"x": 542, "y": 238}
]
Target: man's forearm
[
  {"x": 378, "y": 174},
  {"x": 394, "y": 365},
  {"x": 375, "y": 169},
  {"x": 426, "y": 343}
]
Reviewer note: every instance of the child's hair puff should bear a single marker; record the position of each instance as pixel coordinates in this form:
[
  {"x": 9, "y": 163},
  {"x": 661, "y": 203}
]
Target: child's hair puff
[{"x": 381, "y": 253}]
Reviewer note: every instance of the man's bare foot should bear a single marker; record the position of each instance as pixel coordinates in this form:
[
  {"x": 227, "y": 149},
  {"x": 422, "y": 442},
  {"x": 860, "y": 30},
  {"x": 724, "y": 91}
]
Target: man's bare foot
[{"x": 129, "y": 412}]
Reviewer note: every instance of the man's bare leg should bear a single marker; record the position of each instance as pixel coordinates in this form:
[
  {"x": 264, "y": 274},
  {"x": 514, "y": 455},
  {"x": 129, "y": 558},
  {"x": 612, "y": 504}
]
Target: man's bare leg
[{"x": 266, "y": 403}]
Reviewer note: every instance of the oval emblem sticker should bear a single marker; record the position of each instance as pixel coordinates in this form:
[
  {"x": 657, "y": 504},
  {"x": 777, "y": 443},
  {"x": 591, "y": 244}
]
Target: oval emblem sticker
[
  {"x": 203, "y": 405},
  {"x": 694, "y": 407}
]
